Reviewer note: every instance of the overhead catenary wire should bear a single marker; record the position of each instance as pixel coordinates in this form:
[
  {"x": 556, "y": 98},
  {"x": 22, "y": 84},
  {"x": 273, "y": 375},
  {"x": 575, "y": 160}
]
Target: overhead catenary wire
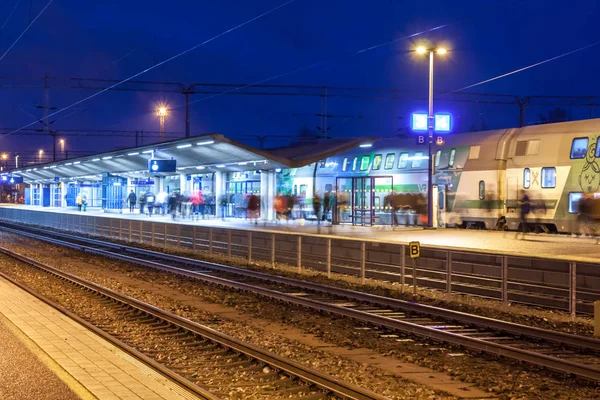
[
  {"x": 10, "y": 15},
  {"x": 25, "y": 30},
  {"x": 155, "y": 65},
  {"x": 525, "y": 68}
]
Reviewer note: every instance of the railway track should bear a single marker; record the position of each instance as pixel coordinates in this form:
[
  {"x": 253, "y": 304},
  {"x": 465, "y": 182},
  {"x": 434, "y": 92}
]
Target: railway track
[
  {"x": 560, "y": 352},
  {"x": 210, "y": 364}
]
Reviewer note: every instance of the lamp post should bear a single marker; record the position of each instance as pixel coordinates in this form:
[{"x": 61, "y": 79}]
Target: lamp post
[
  {"x": 17, "y": 161},
  {"x": 430, "y": 127},
  {"x": 162, "y": 112}
]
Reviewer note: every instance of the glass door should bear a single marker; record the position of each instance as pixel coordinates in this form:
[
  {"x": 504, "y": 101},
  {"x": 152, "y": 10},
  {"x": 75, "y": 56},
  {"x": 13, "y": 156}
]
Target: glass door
[
  {"x": 362, "y": 201},
  {"x": 342, "y": 207},
  {"x": 382, "y": 188}
]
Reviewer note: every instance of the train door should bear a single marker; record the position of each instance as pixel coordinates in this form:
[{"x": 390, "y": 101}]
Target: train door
[{"x": 362, "y": 197}]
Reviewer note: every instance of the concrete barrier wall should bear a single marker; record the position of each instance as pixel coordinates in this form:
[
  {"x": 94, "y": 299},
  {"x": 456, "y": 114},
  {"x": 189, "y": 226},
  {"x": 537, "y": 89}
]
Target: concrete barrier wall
[{"x": 503, "y": 277}]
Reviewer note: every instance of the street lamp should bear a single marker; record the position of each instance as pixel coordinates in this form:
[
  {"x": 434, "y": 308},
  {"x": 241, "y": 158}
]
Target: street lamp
[
  {"x": 430, "y": 126},
  {"x": 40, "y": 155},
  {"x": 17, "y": 161},
  {"x": 62, "y": 147},
  {"x": 162, "y": 111}
]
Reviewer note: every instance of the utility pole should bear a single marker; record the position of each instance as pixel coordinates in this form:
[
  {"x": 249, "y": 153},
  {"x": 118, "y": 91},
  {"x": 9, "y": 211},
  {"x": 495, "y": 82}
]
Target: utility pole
[{"x": 187, "y": 92}]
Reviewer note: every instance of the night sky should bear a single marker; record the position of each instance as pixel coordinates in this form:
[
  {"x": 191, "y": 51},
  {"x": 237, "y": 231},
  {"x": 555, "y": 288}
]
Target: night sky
[{"x": 486, "y": 38}]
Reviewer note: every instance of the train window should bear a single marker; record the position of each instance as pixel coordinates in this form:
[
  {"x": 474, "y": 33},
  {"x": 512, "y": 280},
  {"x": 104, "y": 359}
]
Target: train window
[
  {"x": 345, "y": 165},
  {"x": 365, "y": 161},
  {"x": 481, "y": 190},
  {"x": 402, "y": 160},
  {"x": 598, "y": 147},
  {"x": 416, "y": 160},
  {"x": 441, "y": 199},
  {"x": 452, "y": 156},
  {"x": 574, "y": 198},
  {"x": 474, "y": 152},
  {"x": 438, "y": 154},
  {"x": 548, "y": 177},
  {"x": 377, "y": 162},
  {"x": 521, "y": 148},
  {"x": 389, "y": 161},
  {"x": 579, "y": 147},
  {"x": 533, "y": 148},
  {"x": 526, "y": 178},
  {"x": 354, "y": 163}
]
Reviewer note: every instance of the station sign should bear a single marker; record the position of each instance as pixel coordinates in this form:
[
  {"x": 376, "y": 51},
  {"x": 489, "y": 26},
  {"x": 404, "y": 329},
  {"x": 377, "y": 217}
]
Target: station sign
[
  {"x": 414, "y": 249},
  {"x": 143, "y": 182},
  {"x": 442, "y": 122},
  {"x": 11, "y": 180},
  {"x": 156, "y": 166},
  {"x": 439, "y": 140},
  {"x": 56, "y": 179}
]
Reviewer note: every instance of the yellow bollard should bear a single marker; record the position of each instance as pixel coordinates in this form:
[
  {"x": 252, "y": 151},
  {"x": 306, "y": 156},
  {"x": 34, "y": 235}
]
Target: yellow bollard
[{"x": 597, "y": 318}]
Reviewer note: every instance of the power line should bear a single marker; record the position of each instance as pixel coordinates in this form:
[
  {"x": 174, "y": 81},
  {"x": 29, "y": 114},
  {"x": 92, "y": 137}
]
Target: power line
[
  {"x": 26, "y": 29},
  {"x": 526, "y": 68},
  {"x": 155, "y": 65}
]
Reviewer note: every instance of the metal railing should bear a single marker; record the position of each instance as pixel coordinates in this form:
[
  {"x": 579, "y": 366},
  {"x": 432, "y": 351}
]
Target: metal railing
[{"x": 548, "y": 282}]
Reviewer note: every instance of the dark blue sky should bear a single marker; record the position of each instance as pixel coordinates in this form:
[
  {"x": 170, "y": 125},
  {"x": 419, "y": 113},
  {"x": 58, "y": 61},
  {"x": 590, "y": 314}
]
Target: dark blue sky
[{"x": 486, "y": 38}]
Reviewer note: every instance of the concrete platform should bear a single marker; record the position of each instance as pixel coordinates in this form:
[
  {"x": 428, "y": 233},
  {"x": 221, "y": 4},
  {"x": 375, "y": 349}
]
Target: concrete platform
[
  {"x": 81, "y": 363},
  {"x": 543, "y": 245}
]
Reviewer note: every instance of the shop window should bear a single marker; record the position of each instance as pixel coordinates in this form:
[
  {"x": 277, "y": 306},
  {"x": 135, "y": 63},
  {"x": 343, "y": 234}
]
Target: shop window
[
  {"x": 389, "y": 160},
  {"x": 365, "y": 161},
  {"x": 345, "y": 164},
  {"x": 548, "y": 177},
  {"x": 403, "y": 160},
  {"x": 481, "y": 190},
  {"x": 354, "y": 163},
  {"x": 574, "y": 198},
  {"x": 377, "y": 162},
  {"x": 438, "y": 154},
  {"x": 526, "y": 178},
  {"x": 579, "y": 147},
  {"x": 452, "y": 156},
  {"x": 417, "y": 158}
]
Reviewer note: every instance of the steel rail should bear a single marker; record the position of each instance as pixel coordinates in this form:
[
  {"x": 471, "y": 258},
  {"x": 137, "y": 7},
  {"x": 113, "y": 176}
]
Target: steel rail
[
  {"x": 324, "y": 381},
  {"x": 565, "y": 366},
  {"x": 184, "y": 383}
]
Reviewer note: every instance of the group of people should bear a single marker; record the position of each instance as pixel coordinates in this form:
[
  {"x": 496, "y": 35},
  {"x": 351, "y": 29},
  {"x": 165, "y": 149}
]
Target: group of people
[
  {"x": 175, "y": 203},
  {"x": 407, "y": 204},
  {"x": 289, "y": 207},
  {"x": 81, "y": 201}
]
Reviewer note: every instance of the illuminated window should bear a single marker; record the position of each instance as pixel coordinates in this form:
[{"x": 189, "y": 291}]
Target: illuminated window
[
  {"x": 377, "y": 162},
  {"x": 526, "y": 178},
  {"x": 417, "y": 158},
  {"x": 438, "y": 154},
  {"x": 403, "y": 160},
  {"x": 364, "y": 163},
  {"x": 451, "y": 160},
  {"x": 481, "y": 190},
  {"x": 548, "y": 177},
  {"x": 598, "y": 147},
  {"x": 303, "y": 189},
  {"x": 574, "y": 198},
  {"x": 389, "y": 161},
  {"x": 345, "y": 164},
  {"x": 354, "y": 163},
  {"x": 579, "y": 147},
  {"x": 474, "y": 152}
]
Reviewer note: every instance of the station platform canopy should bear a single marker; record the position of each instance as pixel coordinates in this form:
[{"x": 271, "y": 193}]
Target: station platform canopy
[{"x": 195, "y": 155}]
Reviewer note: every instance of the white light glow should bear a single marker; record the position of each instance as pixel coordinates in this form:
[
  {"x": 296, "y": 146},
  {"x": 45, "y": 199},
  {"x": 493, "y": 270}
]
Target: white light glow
[
  {"x": 77, "y": 162},
  {"x": 96, "y": 159},
  {"x": 199, "y": 167},
  {"x": 107, "y": 158},
  {"x": 147, "y": 151},
  {"x": 366, "y": 145},
  {"x": 54, "y": 166},
  {"x": 242, "y": 163},
  {"x": 183, "y": 146},
  {"x": 204, "y": 142},
  {"x": 69, "y": 163},
  {"x": 46, "y": 167},
  {"x": 220, "y": 166},
  {"x": 133, "y": 154}
]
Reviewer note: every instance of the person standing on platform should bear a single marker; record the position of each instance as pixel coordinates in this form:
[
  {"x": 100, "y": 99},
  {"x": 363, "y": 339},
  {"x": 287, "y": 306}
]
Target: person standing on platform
[
  {"x": 525, "y": 204},
  {"x": 161, "y": 202},
  {"x": 316, "y": 202},
  {"x": 132, "y": 198},
  {"x": 150, "y": 202},
  {"x": 142, "y": 202},
  {"x": 79, "y": 201},
  {"x": 326, "y": 205},
  {"x": 253, "y": 208}
]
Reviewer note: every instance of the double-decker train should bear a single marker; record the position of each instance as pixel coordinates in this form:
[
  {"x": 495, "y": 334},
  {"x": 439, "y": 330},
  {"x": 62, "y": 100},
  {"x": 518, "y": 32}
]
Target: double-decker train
[{"x": 481, "y": 176}]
